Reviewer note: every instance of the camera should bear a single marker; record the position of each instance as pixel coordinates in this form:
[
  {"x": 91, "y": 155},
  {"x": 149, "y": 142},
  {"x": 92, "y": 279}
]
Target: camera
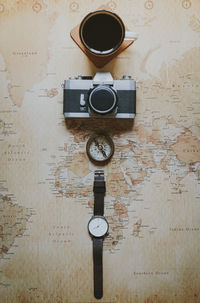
[{"x": 101, "y": 96}]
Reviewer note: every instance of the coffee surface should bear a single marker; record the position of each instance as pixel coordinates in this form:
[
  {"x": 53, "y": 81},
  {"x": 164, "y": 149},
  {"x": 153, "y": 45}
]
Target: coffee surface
[{"x": 102, "y": 32}]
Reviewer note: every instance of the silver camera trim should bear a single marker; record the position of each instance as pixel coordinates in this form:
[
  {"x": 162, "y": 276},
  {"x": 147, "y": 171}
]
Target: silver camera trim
[
  {"x": 106, "y": 78},
  {"x": 87, "y": 115}
]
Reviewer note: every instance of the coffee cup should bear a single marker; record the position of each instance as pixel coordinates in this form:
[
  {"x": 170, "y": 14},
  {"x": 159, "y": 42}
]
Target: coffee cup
[{"x": 102, "y": 32}]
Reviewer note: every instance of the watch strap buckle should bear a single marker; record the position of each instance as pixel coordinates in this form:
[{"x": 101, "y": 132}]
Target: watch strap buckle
[
  {"x": 99, "y": 183},
  {"x": 99, "y": 174}
]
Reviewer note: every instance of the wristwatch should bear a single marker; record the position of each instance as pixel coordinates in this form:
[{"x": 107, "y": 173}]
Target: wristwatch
[{"x": 98, "y": 229}]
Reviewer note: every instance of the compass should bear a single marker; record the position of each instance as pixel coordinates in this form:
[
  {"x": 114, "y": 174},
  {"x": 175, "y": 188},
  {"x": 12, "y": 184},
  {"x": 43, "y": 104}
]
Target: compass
[{"x": 100, "y": 148}]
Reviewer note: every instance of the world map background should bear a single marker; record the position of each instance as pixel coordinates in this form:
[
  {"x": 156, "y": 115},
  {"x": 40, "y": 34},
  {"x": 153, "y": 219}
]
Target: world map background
[{"x": 152, "y": 201}]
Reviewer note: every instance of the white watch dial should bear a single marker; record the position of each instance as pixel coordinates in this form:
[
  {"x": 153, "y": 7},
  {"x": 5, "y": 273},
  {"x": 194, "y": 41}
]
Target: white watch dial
[{"x": 98, "y": 226}]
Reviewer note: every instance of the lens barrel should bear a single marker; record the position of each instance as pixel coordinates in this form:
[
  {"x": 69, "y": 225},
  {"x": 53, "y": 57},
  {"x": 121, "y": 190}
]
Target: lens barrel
[{"x": 102, "y": 99}]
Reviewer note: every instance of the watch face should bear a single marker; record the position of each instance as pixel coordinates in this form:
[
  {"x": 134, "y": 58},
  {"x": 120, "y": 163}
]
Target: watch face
[
  {"x": 98, "y": 226},
  {"x": 100, "y": 148}
]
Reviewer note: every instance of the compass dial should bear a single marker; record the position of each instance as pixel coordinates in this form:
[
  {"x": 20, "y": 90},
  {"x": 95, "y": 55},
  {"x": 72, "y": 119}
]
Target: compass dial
[{"x": 100, "y": 148}]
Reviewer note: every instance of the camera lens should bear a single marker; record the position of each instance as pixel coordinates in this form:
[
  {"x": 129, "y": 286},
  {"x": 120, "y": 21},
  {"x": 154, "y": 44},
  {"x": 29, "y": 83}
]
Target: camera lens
[{"x": 102, "y": 99}]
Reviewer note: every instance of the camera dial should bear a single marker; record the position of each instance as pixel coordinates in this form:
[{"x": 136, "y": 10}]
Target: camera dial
[
  {"x": 125, "y": 77},
  {"x": 102, "y": 99}
]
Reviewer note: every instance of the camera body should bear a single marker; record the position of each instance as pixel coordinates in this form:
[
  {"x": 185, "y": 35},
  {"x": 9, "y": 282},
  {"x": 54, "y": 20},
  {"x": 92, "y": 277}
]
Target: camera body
[{"x": 99, "y": 97}]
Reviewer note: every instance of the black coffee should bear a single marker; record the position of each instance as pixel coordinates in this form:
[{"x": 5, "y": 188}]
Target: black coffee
[{"x": 102, "y": 32}]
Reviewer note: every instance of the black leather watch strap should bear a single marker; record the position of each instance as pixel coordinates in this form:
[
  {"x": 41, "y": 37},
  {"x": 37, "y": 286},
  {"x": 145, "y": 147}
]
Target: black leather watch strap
[
  {"x": 98, "y": 268},
  {"x": 99, "y": 189}
]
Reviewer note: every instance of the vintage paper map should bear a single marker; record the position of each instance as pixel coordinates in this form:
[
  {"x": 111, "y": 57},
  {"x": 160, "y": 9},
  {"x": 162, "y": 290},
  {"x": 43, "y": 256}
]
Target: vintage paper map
[{"x": 153, "y": 194}]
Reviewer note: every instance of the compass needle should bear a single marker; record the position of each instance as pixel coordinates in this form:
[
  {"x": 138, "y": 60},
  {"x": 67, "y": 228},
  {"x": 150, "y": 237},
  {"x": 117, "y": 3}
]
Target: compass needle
[
  {"x": 100, "y": 148},
  {"x": 96, "y": 142},
  {"x": 104, "y": 154}
]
